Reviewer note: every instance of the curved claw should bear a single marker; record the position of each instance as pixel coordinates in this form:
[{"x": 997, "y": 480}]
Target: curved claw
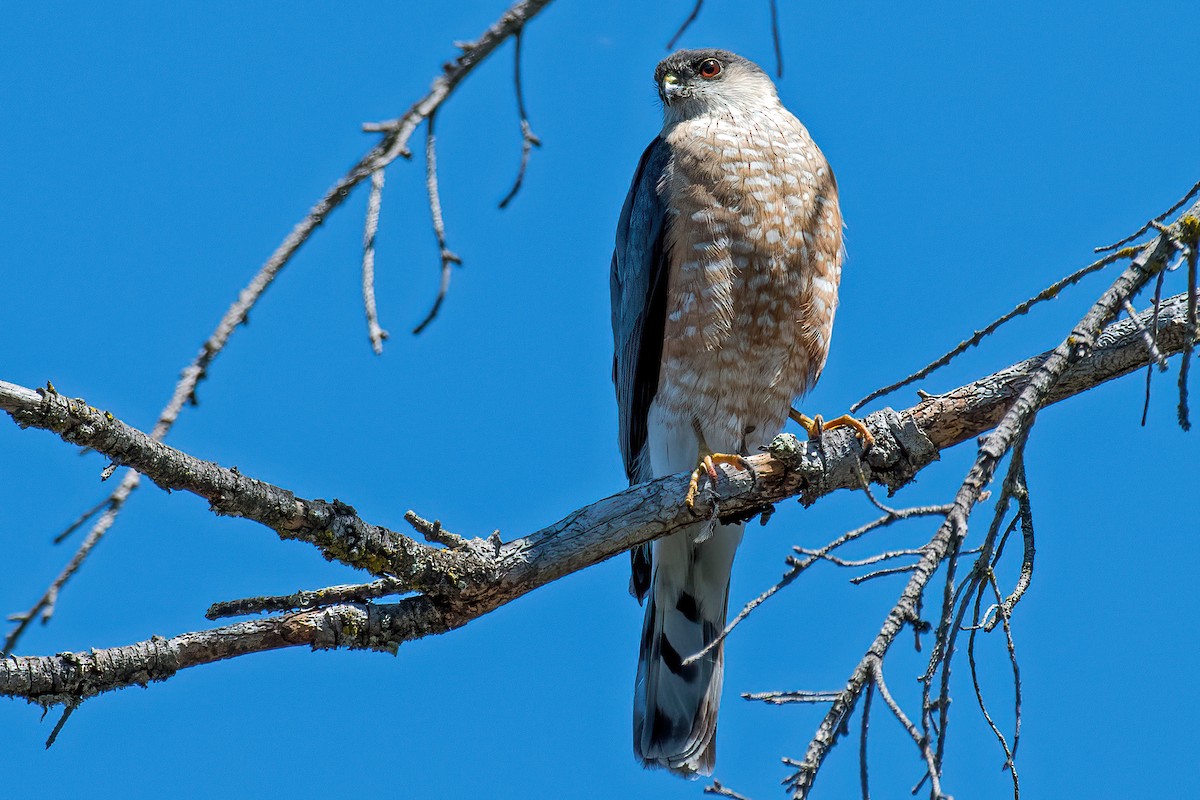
[
  {"x": 815, "y": 426},
  {"x": 708, "y": 464}
]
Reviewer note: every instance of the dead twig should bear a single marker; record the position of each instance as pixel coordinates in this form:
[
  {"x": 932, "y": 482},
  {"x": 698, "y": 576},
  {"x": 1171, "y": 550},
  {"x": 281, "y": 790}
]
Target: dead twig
[
  {"x": 786, "y": 698},
  {"x": 529, "y": 139},
  {"x": 375, "y": 333},
  {"x": 723, "y": 791},
  {"x": 66, "y": 715},
  {"x": 1193, "y": 324},
  {"x": 776, "y": 40},
  {"x": 687, "y": 23},
  {"x": 1158, "y": 284},
  {"x": 306, "y": 600},
  {"x": 798, "y": 567},
  {"x": 1049, "y": 293},
  {"x": 1178, "y": 205},
  {"x": 448, "y": 258}
]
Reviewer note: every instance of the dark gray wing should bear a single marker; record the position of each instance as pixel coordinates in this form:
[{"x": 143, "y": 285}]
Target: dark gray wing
[
  {"x": 639, "y": 295},
  {"x": 638, "y": 281}
]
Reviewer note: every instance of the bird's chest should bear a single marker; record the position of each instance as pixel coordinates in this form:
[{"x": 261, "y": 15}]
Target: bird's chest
[{"x": 744, "y": 196}]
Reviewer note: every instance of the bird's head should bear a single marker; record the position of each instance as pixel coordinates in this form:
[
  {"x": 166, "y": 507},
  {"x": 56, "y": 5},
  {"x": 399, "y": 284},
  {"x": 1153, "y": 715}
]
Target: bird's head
[{"x": 696, "y": 82}]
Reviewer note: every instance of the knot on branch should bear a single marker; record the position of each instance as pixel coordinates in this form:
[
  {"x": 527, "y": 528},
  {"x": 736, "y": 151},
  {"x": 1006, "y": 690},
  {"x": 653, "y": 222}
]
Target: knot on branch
[{"x": 836, "y": 461}]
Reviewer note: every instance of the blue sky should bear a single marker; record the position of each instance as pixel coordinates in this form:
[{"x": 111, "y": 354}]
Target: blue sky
[{"x": 155, "y": 154}]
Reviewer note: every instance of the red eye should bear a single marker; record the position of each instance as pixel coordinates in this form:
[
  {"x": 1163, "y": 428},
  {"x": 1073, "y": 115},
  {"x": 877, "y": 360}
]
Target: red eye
[{"x": 710, "y": 68}]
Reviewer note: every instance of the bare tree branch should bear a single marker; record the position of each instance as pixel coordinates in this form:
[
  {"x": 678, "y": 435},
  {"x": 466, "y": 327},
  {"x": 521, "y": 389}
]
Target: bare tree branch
[
  {"x": 1015, "y": 418},
  {"x": 306, "y": 600},
  {"x": 464, "y": 583},
  {"x": 1049, "y": 293},
  {"x": 1137, "y": 234},
  {"x": 392, "y": 145}
]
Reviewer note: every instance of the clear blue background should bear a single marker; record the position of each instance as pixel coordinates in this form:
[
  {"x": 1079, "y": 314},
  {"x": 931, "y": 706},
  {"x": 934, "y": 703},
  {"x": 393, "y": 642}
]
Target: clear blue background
[{"x": 154, "y": 155}]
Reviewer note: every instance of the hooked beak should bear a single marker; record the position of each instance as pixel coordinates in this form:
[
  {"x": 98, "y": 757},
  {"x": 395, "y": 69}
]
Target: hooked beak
[{"x": 673, "y": 88}]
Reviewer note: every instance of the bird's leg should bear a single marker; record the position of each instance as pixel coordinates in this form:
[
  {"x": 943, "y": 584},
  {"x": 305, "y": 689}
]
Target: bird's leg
[
  {"x": 814, "y": 426},
  {"x": 708, "y": 464}
]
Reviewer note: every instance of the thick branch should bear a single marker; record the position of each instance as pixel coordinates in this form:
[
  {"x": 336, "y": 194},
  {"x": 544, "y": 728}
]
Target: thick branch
[
  {"x": 470, "y": 582},
  {"x": 67, "y": 678},
  {"x": 333, "y": 527},
  {"x": 392, "y": 145}
]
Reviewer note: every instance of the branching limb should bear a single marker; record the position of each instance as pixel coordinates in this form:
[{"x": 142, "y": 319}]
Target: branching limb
[
  {"x": 1015, "y": 419},
  {"x": 333, "y": 527},
  {"x": 922, "y": 741},
  {"x": 1049, "y": 293},
  {"x": 1137, "y": 234},
  {"x": 69, "y": 678},
  {"x": 798, "y": 566},
  {"x": 470, "y": 582},
  {"x": 392, "y": 145}
]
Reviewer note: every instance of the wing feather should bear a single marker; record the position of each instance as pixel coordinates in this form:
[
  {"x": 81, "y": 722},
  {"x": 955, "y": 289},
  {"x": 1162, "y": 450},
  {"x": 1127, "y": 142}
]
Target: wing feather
[{"x": 639, "y": 280}]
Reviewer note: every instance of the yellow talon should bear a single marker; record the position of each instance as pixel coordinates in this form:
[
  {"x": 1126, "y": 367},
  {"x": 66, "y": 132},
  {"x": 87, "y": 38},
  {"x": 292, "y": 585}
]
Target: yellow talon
[
  {"x": 814, "y": 426},
  {"x": 708, "y": 463}
]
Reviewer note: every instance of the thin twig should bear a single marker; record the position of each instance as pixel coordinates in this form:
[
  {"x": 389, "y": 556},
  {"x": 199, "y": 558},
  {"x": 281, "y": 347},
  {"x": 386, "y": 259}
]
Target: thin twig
[
  {"x": 1016, "y": 668},
  {"x": 529, "y": 139},
  {"x": 1158, "y": 284},
  {"x": 66, "y": 715},
  {"x": 863, "y": 780},
  {"x": 1147, "y": 337},
  {"x": 686, "y": 24},
  {"x": 799, "y": 567},
  {"x": 718, "y": 789},
  {"x": 448, "y": 259},
  {"x": 46, "y": 604},
  {"x": 375, "y": 333},
  {"x": 921, "y": 741},
  {"x": 308, "y": 599},
  {"x": 1029, "y": 551},
  {"x": 858, "y": 580},
  {"x": 785, "y": 698},
  {"x": 1049, "y": 293},
  {"x": 1193, "y": 326},
  {"x": 433, "y": 531},
  {"x": 82, "y": 519},
  {"x": 979, "y": 700},
  {"x": 775, "y": 40},
  {"x": 853, "y": 562},
  {"x": 1178, "y": 205}
]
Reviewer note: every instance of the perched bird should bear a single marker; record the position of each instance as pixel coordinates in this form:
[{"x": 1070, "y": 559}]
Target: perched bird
[{"x": 724, "y": 285}]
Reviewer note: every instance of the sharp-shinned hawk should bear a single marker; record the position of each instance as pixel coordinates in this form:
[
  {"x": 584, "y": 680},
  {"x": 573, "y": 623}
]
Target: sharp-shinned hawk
[{"x": 724, "y": 285}]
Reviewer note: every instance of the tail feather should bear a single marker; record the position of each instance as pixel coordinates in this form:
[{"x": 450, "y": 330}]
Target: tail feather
[{"x": 676, "y": 704}]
